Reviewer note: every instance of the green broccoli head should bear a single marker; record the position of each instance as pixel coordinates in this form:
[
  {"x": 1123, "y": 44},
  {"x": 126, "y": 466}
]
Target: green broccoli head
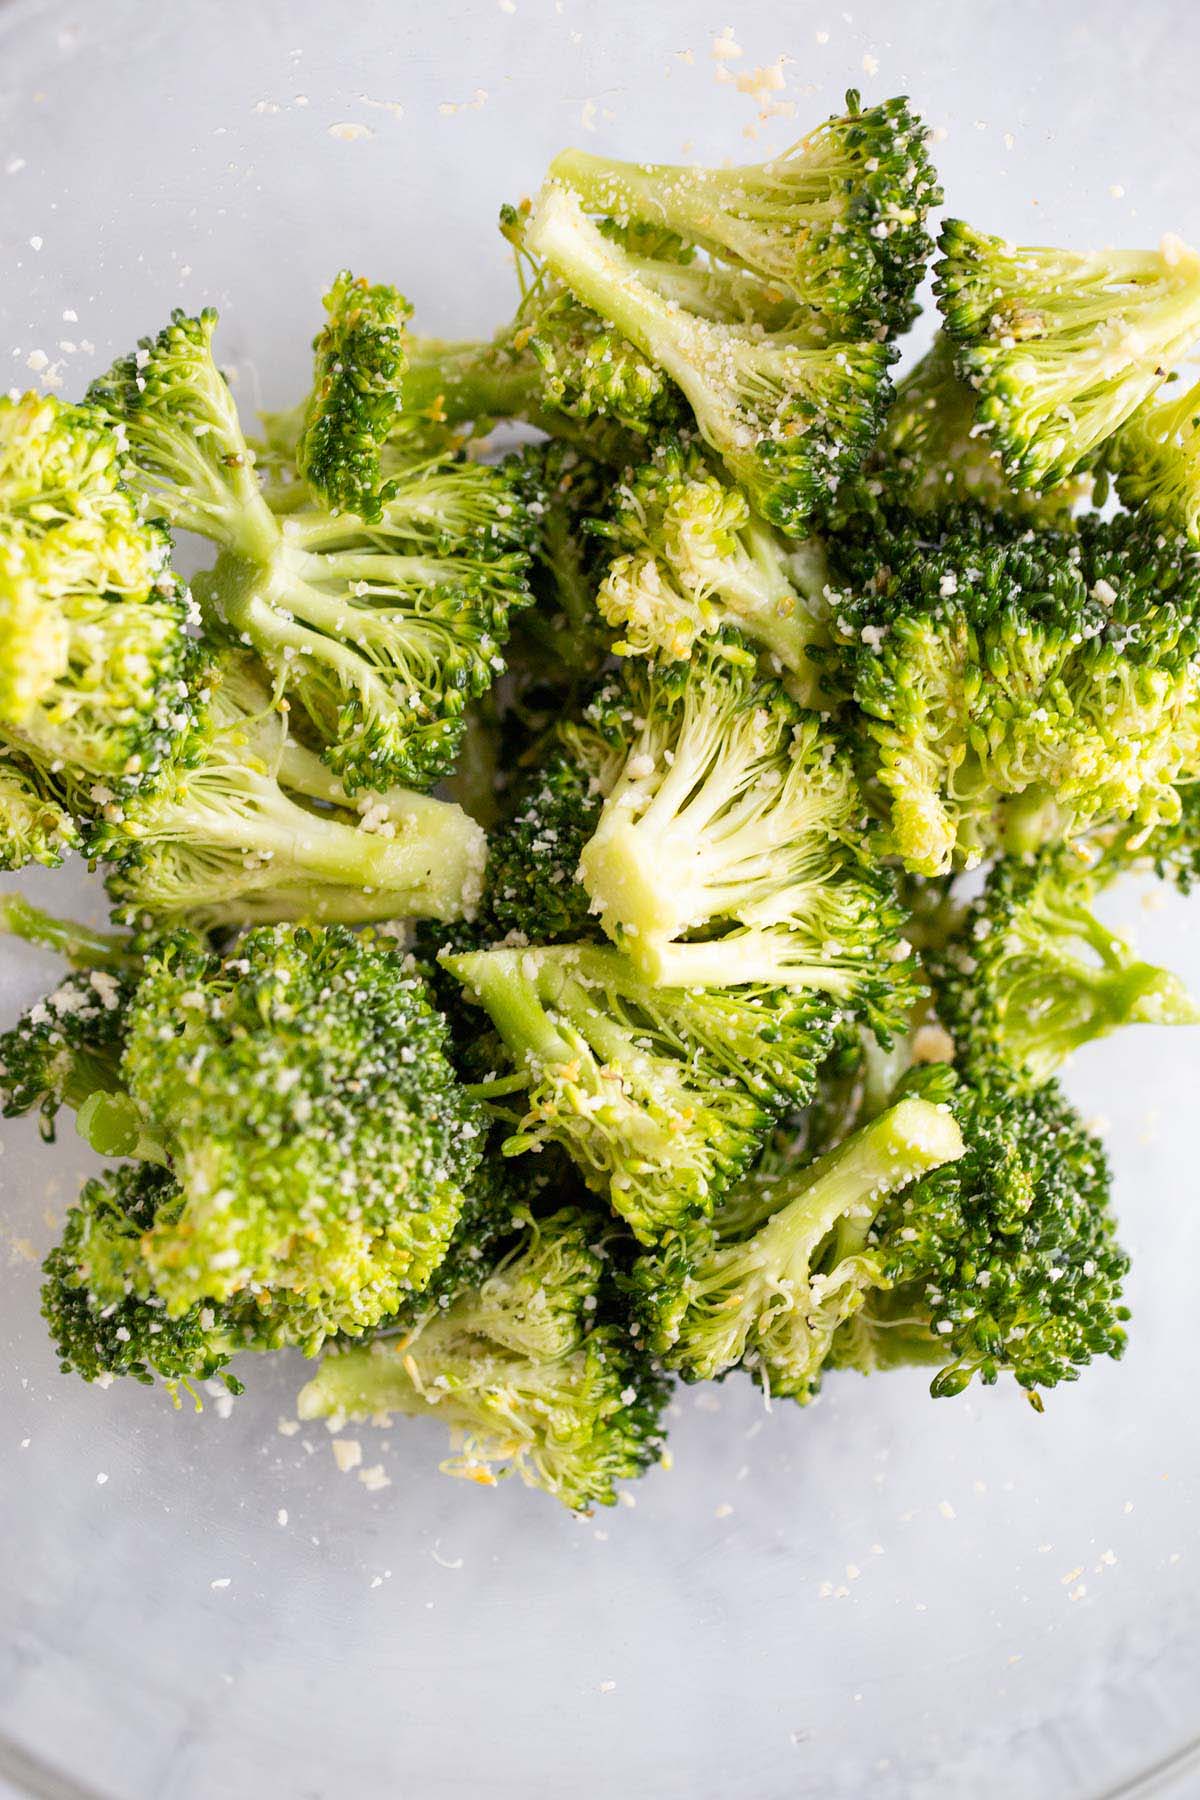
[
  {"x": 1156, "y": 456},
  {"x": 733, "y": 846},
  {"x": 66, "y": 1051},
  {"x": 35, "y": 825},
  {"x": 97, "y": 1299},
  {"x": 528, "y": 1369},
  {"x": 314, "y": 1123},
  {"x": 356, "y": 398},
  {"x": 1031, "y": 974},
  {"x": 1008, "y": 1256},
  {"x": 838, "y": 219},
  {"x": 384, "y": 631},
  {"x": 769, "y": 1286},
  {"x": 190, "y": 462},
  {"x": 661, "y": 1096},
  {"x": 789, "y": 411},
  {"x": 1062, "y": 346},
  {"x": 95, "y": 660},
  {"x": 250, "y": 825},
  {"x": 693, "y": 560},
  {"x": 1015, "y": 687}
]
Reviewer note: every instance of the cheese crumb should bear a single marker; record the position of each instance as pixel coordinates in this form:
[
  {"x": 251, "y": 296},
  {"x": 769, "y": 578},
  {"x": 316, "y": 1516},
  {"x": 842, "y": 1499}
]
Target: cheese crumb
[{"x": 347, "y": 1453}]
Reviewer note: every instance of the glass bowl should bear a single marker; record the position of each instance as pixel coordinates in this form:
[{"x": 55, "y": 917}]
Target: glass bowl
[{"x": 876, "y": 1595}]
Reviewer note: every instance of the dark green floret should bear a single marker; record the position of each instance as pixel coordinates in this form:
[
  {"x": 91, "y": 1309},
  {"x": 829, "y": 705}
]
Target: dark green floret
[
  {"x": 529, "y": 1370},
  {"x": 355, "y": 402}
]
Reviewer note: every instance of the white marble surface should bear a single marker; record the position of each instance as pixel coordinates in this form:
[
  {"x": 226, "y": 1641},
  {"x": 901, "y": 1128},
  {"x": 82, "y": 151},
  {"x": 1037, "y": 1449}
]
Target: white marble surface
[{"x": 880, "y": 1595}]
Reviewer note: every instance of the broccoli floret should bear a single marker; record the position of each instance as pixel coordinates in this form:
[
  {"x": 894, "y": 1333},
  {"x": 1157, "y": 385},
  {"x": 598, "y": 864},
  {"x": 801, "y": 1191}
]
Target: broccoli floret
[
  {"x": 383, "y": 632},
  {"x": 1156, "y": 456},
  {"x": 355, "y": 402},
  {"x": 1005, "y": 1260},
  {"x": 190, "y": 460},
  {"x": 321, "y": 1139},
  {"x": 97, "y": 1299},
  {"x": 94, "y": 656},
  {"x": 35, "y": 825},
  {"x": 838, "y": 219},
  {"x": 529, "y": 1368},
  {"x": 1017, "y": 687},
  {"x": 660, "y": 1095},
  {"x": 1062, "y": 346},
  {"x": 693, "y": 559},
  {"x": 772, "y": 1297},
  {"x": 933, "y": 454},
  {"x": 250, "y": 824},
  {"x": 788, "y": 410},
  {"x": 735, "y": 812},
  {"x": 66, "y": 1051},
  {"x": 562, "y": 635}
]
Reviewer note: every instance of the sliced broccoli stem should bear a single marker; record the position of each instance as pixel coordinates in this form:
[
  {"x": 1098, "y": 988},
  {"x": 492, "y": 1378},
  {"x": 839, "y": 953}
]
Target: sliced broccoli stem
[{"x": 744, "y": 956}]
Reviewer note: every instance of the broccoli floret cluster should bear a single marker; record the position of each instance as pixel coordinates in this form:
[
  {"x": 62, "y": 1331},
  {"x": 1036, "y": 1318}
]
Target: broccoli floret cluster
[{"x": 543, "y": 966}]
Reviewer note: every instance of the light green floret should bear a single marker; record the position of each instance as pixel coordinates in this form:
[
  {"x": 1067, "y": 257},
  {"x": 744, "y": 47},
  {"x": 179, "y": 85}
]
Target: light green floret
[
  {"x": 527, "y": 1370},
  {"x": 1157, "y": 460},
  {"x": 773, "y": 1300},
  {"x": 693, "y": 559},
  {"x": 787, "y": 410},
  {"x": 35, "y": 825},
  {"x": 661, "y": 1096},
  {"x": 1062, "y": 346},
  {"x": 837, "y": 219},
  {"x": 733, "y": 845},
  {"x": 251, "y": 825}
]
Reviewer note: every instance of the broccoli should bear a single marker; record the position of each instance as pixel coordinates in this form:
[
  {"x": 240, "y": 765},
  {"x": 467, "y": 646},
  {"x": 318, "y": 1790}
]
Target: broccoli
[
  {"x": 105, "y": 1318},
  {"x": 1062, "y": 346},
  {"x": 1031, "y": 974},
  {"x": 355, "y": 402},
  {"x": 772, "y": 1297},
  {"x": 838, "y": 219},
  {"x": 788, "y": 410},
  {"x": 530, "y": 1368},
  {"x": 35, "y": 825},
  {"x": 1015, "y": 687},
  {"x": 95, "y": 660},
  {"x": 932, "y": 453},
  {"x": 661, "y": 1096},
  {"x": 561, "y": 634},
  {"x": 734, "y": 809},
  {"x": 66, "y": 1051},
  {"x": 1156, "y": 456},
  {"x": 692, "y": 560},
  {"x": 250, "y": 824}
]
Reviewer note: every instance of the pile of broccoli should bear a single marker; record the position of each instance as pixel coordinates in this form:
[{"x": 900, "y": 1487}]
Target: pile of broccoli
[{"x": 539, "y": 962}]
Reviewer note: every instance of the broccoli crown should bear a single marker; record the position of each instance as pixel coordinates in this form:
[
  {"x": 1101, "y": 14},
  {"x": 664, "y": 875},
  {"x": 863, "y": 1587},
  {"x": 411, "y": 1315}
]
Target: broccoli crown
[
  {"x": 190, "y": 460},
  {"x": 1008, "y": 1255},
  {"x": 692, "y": 560},
  {"x": 1015, "y": 686},
  {"x": 1156, "y": 455},
  {"x": 1031, "y": 973},
  {"x": 768, "y": 1285},
  {"x": 94, "y": 658},
  {"x": 528, "y": 1369},
  {"x": 1062, "y": 346},
  {"x": 838, "y": 219},
  {"x": 232, "y": 835},
  {"x": 315, "y": 1125},
  {"x": 35, "y": 825},
  {"x": 734, "y": 810},
  {"x": 789, "y": 412},
  {"x": 661, "y": 1096},
  {"x": 384, "y": 631},
  {"x": 933, "y": 455},
  {"x": 355, "y": 402},
  {"x": 103, "y": 1314},
  {"x": 66, "y": 1047}
]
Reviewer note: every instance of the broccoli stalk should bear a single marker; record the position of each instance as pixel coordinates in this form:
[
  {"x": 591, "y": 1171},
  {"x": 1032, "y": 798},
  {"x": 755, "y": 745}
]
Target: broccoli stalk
[
  {"x": 660, "y": 1095},
  {"x": 773, "y": 1300},
  {"x": 1031, "y": 974},
  {"x": 526, "y": 1368},
  {"x": 1062, "y": 346},
  {"x": 837, "y": 219},
  {"x": 788, "y": 411}
]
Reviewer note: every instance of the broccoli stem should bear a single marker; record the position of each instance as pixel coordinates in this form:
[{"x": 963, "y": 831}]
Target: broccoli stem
[
  {"x": 448, "y": 382},
  {"x": 497, "y": 980},
  {"x": 744, "y": 957},
  {"x": 79, "y": 944}
]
